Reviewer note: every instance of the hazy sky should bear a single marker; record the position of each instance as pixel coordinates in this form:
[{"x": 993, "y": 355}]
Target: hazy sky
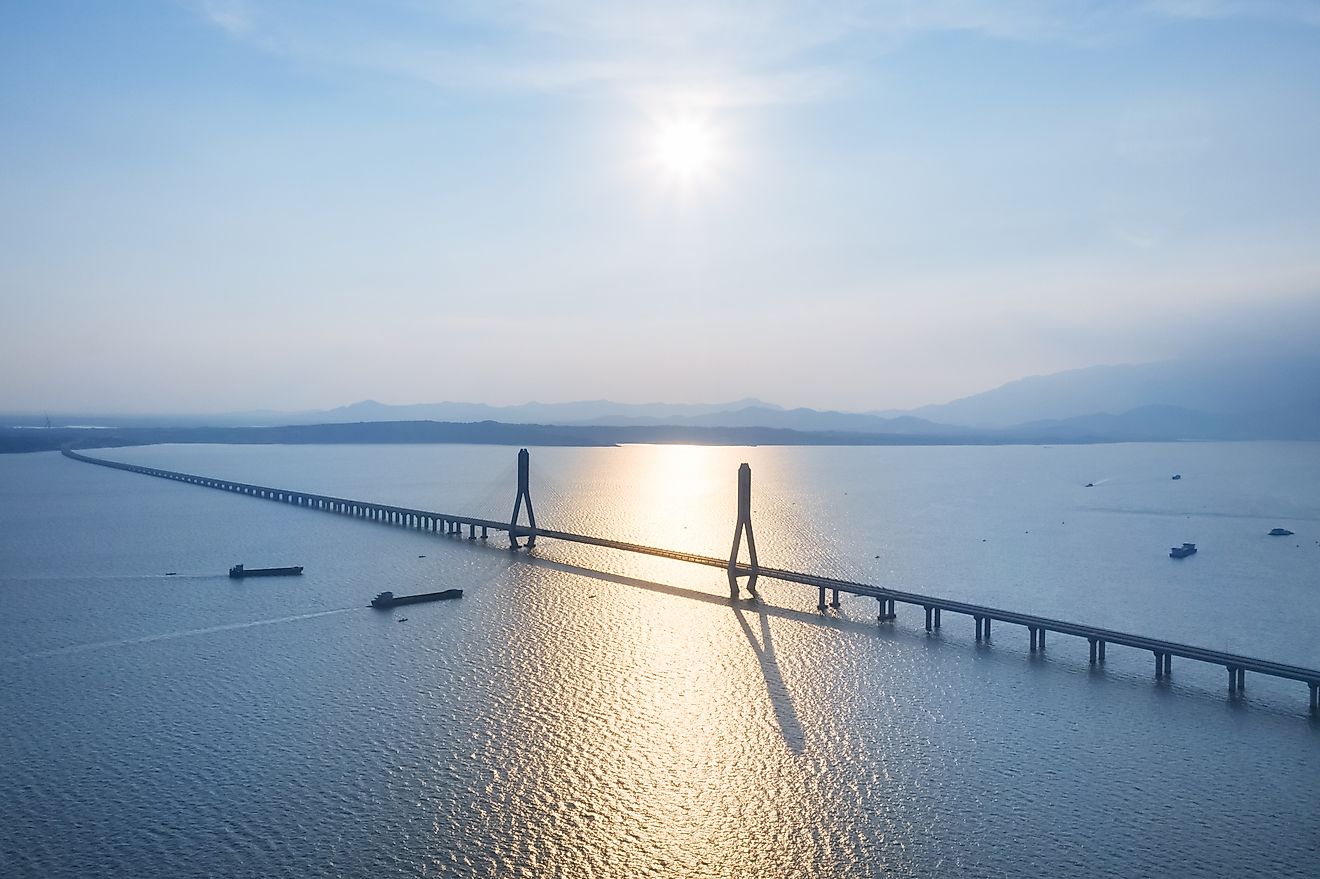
[{"x": 234, "y": 204}]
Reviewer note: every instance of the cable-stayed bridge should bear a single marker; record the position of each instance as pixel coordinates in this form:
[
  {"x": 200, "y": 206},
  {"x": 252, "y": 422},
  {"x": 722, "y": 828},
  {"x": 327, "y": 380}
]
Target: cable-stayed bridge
[{"x": 828, "y": 588}]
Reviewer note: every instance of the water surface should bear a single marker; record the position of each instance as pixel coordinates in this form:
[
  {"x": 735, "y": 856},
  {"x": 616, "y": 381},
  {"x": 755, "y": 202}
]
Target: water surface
[{"x": 584, "y": 712}]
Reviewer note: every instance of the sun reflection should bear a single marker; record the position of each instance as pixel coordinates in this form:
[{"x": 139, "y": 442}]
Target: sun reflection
[
  {"x": 641, "y": 720},
  {"x": 688, "y": 493}
]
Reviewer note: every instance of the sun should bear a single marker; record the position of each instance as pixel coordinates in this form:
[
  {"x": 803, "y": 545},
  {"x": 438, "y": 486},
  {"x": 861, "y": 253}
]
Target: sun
[{"x": 685, "y": 149}]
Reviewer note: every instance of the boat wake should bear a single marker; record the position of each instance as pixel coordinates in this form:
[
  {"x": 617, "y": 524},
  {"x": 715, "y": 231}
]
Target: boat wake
[{"x": 166, "y": 636}]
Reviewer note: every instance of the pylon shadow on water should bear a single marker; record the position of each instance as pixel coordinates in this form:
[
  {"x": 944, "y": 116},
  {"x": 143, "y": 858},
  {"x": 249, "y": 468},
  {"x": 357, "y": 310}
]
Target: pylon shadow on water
[{"x": 790, "y": 727}]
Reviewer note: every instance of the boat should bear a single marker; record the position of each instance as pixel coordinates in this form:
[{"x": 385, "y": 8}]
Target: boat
[
  {"x": 1280, "y": 532},
  {"x": 238, "y": 572},
  {"x": 389, "y": 599},
  {"x": 1182, "y": 552},
  {"x": 1177, "y": 476}
]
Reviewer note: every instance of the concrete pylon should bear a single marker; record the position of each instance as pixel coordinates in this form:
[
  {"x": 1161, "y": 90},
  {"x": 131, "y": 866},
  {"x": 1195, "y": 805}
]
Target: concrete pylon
[
  {"x": 524, "y": 480},
  {"x": 744, "y": 523}
]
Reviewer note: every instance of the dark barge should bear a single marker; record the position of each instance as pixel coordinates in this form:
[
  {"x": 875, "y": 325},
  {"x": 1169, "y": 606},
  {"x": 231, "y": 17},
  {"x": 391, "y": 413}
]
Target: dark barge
[
  {"x": 389, "y": 599},
  {"x": 238, "y": 572}
]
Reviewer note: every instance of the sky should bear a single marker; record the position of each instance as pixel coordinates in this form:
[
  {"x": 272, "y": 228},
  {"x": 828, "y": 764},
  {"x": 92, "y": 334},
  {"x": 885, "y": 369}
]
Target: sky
[{"x": 227, "y": 205}]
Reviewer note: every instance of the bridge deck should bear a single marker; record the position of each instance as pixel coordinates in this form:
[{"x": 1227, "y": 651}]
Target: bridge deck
[{"x": 453, "y": 523}]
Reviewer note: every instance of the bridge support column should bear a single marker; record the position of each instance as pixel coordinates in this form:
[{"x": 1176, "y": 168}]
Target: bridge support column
[
  {"x": 1232, "y": 679},
  {"x": 1032, "y": 629},
  {"x": 1101, "y": 644},
  {"x": 1092, "y": 642},
  {"x": 1168, "y": 665},
  {"x": 744, "y": 523},
  {"x": 1159, "y": 664},
  {"x": 987, "y": 628},
  {"x": 937, "y": 617},
  {"x": 483, "y": 532},
  {"x": 834, "y": 599},
  {"x": 524, "y": 494},
  {"x": 928, "y": 617},
  {"x": 1041, "y": 639},
  {"x": 979, "y": 626},
  {"x": 1241, "y": 679},
  {"x": 820, "y": 605},
  {"x": 1315, "y": 696},
  {"x": 472, "y": 532}
]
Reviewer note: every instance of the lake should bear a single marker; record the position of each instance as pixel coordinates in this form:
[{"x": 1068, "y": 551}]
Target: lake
[{"x": 585, "y": 712}]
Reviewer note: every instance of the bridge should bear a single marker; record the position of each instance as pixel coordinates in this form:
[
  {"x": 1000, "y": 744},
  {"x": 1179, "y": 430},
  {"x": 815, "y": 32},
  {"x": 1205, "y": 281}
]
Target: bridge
[{"x": 828, "y": 588}]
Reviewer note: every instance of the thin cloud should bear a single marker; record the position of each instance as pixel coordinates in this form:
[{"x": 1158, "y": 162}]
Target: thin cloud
[
  {"x": 1297, "y": 11},
  {"x": 730, "y": 52},
  {"x": 231, "y": 16}
]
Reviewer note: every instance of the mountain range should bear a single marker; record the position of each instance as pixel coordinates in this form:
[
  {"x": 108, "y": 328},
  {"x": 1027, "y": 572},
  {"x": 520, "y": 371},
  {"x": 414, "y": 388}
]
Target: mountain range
[{"x": 1271, "y": 396}]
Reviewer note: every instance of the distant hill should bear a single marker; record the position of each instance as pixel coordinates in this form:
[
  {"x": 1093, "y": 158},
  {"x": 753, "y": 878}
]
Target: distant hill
[
  {"x": 1260, "y": 395},
  {"x": 580, "y": 412},
  {"x": 1274, "y": 395},
  {"x": 796, "y": 419},
  {"x": 483, "y": 432}
]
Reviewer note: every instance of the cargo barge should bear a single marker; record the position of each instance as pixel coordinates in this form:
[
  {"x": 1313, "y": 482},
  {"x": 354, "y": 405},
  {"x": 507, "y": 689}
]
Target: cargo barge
[
  {"x": 238, "y": 572},
  {"x": 389, "y": 599}
]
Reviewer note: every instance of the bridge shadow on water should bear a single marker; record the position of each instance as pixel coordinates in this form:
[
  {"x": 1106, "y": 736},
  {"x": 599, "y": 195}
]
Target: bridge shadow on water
[
  {"x": 780, "y": 700},
  {"x": 1064, "y": 661},
  {"x": 758, "y": 635}
]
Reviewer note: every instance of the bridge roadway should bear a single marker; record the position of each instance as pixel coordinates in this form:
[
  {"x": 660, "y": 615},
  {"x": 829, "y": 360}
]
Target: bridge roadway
[{"x": 934, "y": 606}]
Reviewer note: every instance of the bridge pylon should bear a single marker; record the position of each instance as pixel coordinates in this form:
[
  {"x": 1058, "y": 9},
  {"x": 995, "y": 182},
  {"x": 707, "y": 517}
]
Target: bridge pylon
[
  {"x": 524, "y": 481},
  {"x": 744, "y": 523}
]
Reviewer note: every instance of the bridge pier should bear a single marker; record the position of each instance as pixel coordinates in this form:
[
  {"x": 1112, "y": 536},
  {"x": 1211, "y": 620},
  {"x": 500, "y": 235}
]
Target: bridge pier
[
  {"x": 1092, "y": 642},
  {"x": 1315, "y": 696},
  {"x": 887, "y": 612},
  {"x": 928, "y": 616},
  {"x": 834, "y": 600},
  {"x": 820, "y": 605},
  {"x": 937, "y": 617}
]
